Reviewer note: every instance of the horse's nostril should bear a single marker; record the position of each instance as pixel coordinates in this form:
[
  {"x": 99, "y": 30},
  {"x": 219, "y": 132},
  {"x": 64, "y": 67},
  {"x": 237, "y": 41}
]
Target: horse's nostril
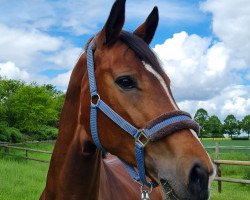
[{"x": 198, "y": 182}]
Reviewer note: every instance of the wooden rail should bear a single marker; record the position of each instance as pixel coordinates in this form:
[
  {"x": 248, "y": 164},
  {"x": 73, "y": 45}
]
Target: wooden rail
[
  {"x": 228, "y": 162},
  {"x": 26, "y": 150},
  {"x": 232, "y": 180},
  {"x": 229, "y": 147},
  {"x": 232, "y": 162}
]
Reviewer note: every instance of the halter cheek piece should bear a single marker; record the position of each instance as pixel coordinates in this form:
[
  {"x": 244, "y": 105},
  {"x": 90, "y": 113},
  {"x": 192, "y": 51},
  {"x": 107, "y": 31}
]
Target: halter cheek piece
[{"x": 157, "y": 129}]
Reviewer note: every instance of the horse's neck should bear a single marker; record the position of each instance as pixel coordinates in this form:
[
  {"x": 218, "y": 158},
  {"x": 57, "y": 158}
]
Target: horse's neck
[
  {"x": 73, "y": 161},
  {"x": 86, "y": 176},
  {"x": 81, "y": 170}
]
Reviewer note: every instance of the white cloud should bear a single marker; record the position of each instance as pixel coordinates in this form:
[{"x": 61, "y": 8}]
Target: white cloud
[
  {"x": 27, "y": 14},
  {"x": 24, "y": 47},
  {"x": 33, "y": 52},
  {"x": 66, "y": 57},
  {"x": 36, "y": 51},
  {"x": 203, "y": 76},
  {"x": 231, "y": 100},
  {"x": 10, "y": 71},
  {"x": 197, "y": 67},
  {"x": 230, "y": 23},
  {"x": 61, "y": 80}
]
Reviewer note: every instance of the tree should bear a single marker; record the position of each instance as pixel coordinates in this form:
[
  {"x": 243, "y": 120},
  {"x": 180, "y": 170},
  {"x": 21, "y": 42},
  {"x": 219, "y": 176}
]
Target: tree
[
  {"x": 8, "y": 87},
  {"x": 231, "y": 126},
  {"x": 32, "y": 106},
  {"x": 30, "y": 110},
  {"x": 245, "y": 124},
  {"x": 214, "y": 127},
  {"x": 3, "y": 113},
  {"x": 58, "y": 97},
  {"x": 201, "y": 117}
]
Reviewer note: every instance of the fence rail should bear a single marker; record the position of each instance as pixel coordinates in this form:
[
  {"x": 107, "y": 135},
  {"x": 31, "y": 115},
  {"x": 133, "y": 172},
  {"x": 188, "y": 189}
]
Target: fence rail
[
  {"x": 229, "y": 147},
  {"x": 6, "y": 148},
  {"x": 232, "y": 162},
  {"x": 232, "y": 180},
  {"x": 219, "y": 162}
]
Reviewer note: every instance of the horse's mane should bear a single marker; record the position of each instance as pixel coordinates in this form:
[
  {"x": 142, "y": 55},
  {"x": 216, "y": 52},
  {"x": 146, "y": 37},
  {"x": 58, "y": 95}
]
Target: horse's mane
[{"x": 141, "y": 49}]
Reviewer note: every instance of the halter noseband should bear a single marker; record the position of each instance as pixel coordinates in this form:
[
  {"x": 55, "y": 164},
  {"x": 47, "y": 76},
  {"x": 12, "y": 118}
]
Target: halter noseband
[{"x": 157, "y": 129}]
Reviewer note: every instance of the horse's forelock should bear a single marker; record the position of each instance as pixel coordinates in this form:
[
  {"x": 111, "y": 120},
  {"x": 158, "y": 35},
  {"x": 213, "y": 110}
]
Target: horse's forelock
[{"x": 141, "y": 49}]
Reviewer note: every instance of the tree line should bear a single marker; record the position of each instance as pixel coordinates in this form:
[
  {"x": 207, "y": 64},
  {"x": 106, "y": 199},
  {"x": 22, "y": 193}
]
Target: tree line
[
  {"x": 211, "y": 126},
  {"x": 32, "y": 111},
  {"x": 29, "y": 111}
]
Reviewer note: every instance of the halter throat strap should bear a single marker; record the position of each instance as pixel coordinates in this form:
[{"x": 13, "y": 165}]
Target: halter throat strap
[{"x": 157, "y": 129}]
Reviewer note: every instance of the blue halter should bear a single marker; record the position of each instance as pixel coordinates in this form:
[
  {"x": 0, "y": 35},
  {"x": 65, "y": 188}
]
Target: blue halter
[{"x": 142, "y": 136}]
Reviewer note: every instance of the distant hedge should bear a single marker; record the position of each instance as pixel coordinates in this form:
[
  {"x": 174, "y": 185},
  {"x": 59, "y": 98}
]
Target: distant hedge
[{"x": 240, "y": 138}]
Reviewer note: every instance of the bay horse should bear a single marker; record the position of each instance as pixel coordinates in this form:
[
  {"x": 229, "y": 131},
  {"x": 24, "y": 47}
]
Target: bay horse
[{"x": 119, "y": 101}]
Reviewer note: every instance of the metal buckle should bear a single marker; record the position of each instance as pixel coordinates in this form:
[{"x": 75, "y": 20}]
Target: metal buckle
[{"x": 140, "y": 136}]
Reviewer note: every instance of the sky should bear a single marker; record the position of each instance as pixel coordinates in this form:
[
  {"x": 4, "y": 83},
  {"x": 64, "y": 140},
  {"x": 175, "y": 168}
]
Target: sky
[{"x": 204, "y": 46}]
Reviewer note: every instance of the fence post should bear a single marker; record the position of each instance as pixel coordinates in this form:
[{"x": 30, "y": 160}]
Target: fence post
[
  {"x": 218, "y": 166},
  {"x": 6, "y": 149},
  {"x": 26, "y": 154}
]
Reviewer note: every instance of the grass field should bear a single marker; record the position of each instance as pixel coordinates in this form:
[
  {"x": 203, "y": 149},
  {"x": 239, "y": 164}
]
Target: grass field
[{"x": 25, "y": 180}]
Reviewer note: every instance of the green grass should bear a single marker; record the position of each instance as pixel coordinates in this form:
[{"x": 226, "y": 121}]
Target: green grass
[
  {"x": 21, "y": 179},
  {"x": 25, "y": 180},
  {"x": 230, "y": 191}
]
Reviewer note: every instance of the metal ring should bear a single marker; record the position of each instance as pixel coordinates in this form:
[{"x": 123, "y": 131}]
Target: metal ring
[
  {"x": 92, "y": 98},
  {"x": 151, "y": 187}
]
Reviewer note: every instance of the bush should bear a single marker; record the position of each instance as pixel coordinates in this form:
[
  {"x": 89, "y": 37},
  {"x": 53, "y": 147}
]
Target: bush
[
  {"x": 14, "y": 134},
  {"x": 4, "y": 135},
  {"x": 9, "y": 134},
  {"x": 44, "y": 133}
]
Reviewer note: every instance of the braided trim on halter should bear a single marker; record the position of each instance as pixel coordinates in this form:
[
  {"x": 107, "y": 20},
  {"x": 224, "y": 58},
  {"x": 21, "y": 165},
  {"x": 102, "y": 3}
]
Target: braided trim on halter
[{"x": 174, "y": 127}]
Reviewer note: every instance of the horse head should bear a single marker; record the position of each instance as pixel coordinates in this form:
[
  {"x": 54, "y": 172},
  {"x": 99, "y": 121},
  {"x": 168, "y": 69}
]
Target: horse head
[{"x": 130, "y": 80}]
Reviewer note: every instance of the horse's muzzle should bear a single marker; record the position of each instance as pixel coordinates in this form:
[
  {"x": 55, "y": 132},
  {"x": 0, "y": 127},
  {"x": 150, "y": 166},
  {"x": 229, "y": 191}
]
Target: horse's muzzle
[{"x": 198, "y": 183}]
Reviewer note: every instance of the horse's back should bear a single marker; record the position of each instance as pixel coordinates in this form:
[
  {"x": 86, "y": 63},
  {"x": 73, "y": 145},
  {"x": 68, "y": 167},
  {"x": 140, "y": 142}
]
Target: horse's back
[{"x": 116, "y": 183}]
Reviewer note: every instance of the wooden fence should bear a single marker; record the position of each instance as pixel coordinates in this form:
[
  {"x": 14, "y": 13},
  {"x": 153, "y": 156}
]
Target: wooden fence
[
  {"x": 218, "y": 163},
  {"x": 25, "y": 154}
]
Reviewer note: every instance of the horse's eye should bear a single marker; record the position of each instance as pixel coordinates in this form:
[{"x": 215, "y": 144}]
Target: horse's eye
[{"x": 126, "y": 82}]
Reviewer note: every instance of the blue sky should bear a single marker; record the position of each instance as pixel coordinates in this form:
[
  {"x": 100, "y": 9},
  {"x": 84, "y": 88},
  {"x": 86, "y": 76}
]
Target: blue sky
[{"x": 204, "y": 45}]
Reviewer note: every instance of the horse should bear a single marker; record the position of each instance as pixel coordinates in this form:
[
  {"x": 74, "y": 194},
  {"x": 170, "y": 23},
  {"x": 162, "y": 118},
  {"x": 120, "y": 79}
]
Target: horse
[{"x": 119, "y": 101}]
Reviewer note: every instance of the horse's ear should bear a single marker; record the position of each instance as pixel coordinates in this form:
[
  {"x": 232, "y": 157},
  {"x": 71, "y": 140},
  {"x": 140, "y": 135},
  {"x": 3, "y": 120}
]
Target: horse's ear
[
  {"x": 147, "y": 30},
  {"x": 114, "y": 24}
]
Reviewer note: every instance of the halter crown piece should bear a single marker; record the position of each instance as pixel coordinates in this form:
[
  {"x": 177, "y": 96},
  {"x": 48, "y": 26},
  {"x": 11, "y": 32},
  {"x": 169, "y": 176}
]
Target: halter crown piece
[{"x": 157, "y": 129}]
